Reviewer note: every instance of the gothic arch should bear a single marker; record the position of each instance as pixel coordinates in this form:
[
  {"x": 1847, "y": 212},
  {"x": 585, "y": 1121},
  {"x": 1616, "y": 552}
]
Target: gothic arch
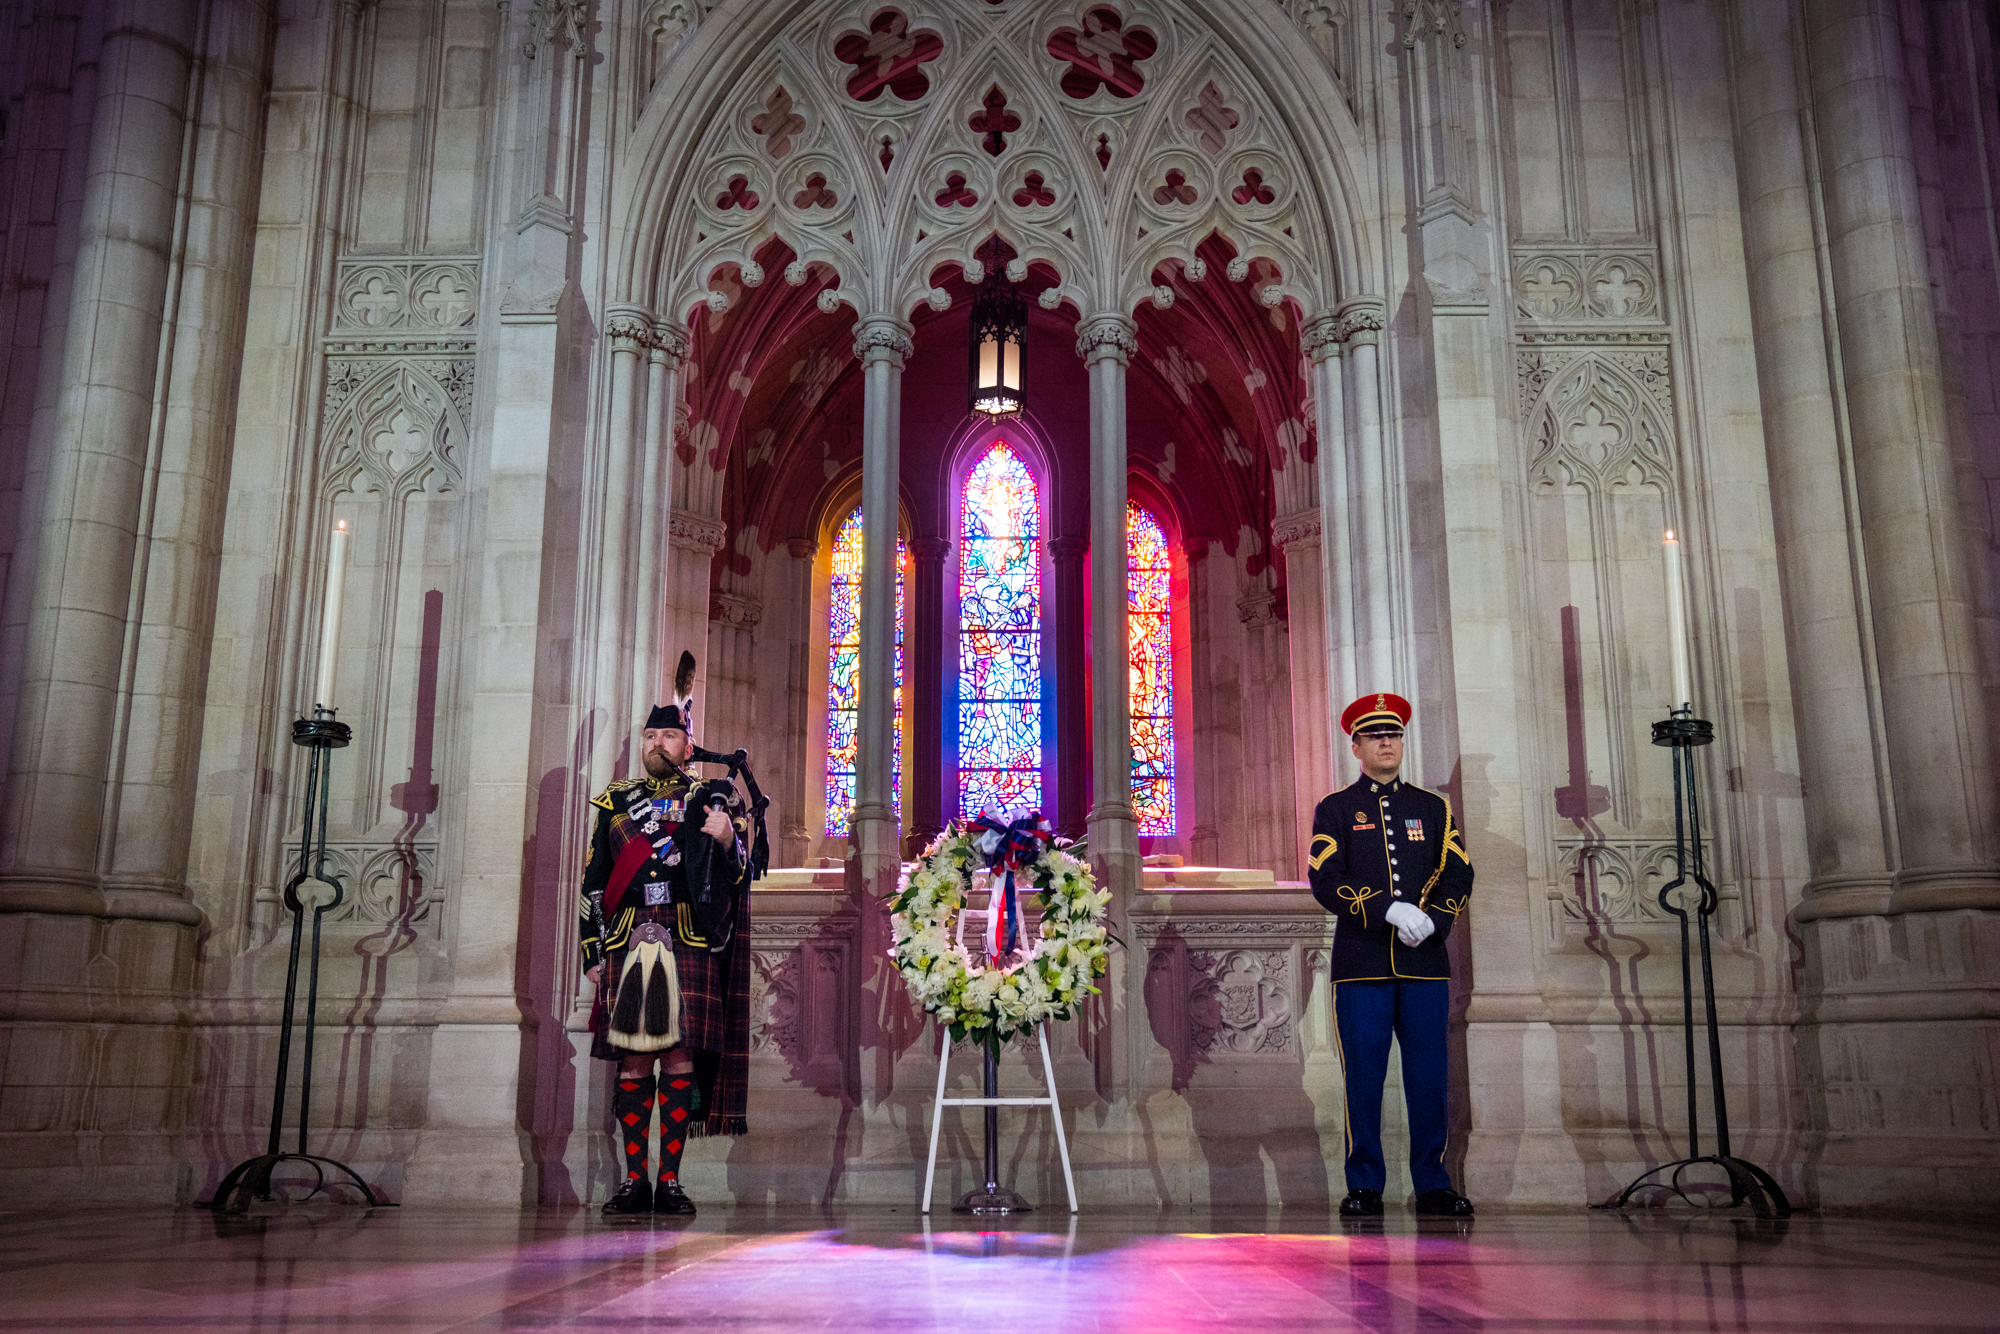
[{"x": 724, "y": 161}]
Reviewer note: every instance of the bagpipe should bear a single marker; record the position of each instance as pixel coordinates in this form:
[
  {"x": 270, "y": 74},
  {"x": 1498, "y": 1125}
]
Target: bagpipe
[{"x": 713, "y": 904}]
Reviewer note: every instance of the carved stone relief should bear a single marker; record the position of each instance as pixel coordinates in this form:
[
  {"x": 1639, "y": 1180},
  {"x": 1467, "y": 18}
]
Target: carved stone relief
[
  {"x": 1578, "y": 285},
  {"x": 386, "y": 884},
  {"x": 1241, "y": 1003},
  {"x": 427, "y": 296}
]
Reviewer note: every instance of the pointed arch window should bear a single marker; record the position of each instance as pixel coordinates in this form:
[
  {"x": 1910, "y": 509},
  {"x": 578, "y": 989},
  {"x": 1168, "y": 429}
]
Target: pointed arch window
[
  {"x": 843, "y": 675},
  {"x": 1000, "y": 685},
  {"x": 1149, "y": 619}
]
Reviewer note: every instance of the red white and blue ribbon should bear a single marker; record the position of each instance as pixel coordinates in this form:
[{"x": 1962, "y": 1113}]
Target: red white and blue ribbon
[{"x": 1008, "y": 843}]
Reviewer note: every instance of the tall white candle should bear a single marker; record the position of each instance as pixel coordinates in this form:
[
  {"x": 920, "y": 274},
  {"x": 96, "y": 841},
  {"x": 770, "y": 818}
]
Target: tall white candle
[
  {"x": 1677, "y": 635},
  {"x": 329, "y": 629}
]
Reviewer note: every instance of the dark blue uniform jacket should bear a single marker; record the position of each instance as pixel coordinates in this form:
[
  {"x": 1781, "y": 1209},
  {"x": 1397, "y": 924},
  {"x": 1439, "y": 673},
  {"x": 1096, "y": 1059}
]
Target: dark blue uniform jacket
[{"x": 1374, "y": 844}]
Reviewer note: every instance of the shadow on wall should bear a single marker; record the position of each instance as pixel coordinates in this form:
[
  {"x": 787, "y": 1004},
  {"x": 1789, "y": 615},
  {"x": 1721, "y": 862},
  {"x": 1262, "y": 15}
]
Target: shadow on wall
[
  {"x": 803, "y": 1017},
  {"x": 1228, "y": 1023}
]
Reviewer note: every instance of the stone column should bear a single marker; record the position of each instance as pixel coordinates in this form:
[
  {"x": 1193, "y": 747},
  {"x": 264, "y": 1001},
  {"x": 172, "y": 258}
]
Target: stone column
[
  {"x": 1201, "y": 787},
  {"x": 1106, "y": 343},
  {"x": 796, "y": 837},
  {"x": 614, "y": 739},
  {"x": 60, "y": 769},
  {"x": 1917, "y": 563},
  {"x": 1374, "y": 574},
  {"x": 923, "y": 786},
  {"x": 651, "y": 667},
  {"x": 1322, "y": 343},
  {"x": 882, "y": 344},
  {"x": 693, "y": 539},
  {"x": 1299, "y": 537},
  {"x": 1071, "y": 631}
]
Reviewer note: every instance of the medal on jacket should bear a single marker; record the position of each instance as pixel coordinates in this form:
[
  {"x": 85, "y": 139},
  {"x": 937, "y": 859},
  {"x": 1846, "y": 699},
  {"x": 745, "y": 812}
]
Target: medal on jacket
[{"x": 1413, "y": 830}]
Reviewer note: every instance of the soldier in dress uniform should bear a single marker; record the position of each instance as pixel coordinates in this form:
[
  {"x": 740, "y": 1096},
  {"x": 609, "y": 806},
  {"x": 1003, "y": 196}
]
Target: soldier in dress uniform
[
  {"x": 665, "y": 893},
  {"x": 1387, "y": 861}
]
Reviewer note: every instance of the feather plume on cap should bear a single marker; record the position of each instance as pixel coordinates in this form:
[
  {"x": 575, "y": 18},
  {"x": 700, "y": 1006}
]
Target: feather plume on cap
[
  {"x": 680, "y": 713},
  {"x": 684, "y": 682}
]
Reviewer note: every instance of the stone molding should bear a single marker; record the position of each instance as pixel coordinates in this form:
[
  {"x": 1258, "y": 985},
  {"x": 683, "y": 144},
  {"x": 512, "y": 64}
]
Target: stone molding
[
  {"x": 696, "y": 532},
  {"x": 1303, "y": 526},
  {"x": 1102, "y": 336},
  {"x": 1423, "y": 19}
]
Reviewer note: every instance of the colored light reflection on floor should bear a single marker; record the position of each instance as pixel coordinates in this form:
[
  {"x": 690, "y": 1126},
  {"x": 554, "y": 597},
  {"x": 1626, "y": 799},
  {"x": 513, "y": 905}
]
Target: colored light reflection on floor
[{"x": 327, "y": 1267}]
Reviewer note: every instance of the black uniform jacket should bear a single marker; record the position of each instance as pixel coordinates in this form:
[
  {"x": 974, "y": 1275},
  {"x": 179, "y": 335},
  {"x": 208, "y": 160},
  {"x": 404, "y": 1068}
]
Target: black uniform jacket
[
  {"x": 612, "y": 827},
  {"x": 1375, "y": 844}
]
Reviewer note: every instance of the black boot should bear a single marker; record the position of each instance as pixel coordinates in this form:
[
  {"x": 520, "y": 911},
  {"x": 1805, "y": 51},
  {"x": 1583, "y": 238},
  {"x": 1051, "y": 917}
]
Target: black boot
[
  {"x": 1362, "y": 1204},
  {"x": 671, "y": 1199},
  {"x": 1444, "y": 1203},
  {"x": 634, "y": 1197}
]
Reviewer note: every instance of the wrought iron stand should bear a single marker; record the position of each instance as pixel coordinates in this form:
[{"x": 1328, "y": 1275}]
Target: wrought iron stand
[
  {"x": 251, "y": 1179},
  {"x": 1682, "y": 731}
]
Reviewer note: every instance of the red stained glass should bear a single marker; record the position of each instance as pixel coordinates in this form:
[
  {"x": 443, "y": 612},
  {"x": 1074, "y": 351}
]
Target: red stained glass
[
  {"x": 1150, "y": 635},
  {"x": 843, "y": 675}
]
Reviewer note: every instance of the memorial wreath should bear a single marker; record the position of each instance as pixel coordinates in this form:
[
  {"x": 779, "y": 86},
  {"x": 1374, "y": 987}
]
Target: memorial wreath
[{"x": 1015, "y": 983}]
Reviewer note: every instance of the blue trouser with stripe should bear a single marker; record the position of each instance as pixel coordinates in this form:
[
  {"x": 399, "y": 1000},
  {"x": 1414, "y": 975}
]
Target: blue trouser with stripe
[{"x": 1416, "y": 1014}]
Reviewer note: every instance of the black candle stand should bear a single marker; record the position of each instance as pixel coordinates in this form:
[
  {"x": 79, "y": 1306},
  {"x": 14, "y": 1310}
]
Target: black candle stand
[
  {"x": 1682, "y": 732},
  {"x": 251, "y": 1179}
]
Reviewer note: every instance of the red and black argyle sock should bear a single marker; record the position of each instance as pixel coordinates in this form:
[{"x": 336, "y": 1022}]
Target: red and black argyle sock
[
  {"x": 676, "y": 1101},
  {"x": 632, "y": 1109}
]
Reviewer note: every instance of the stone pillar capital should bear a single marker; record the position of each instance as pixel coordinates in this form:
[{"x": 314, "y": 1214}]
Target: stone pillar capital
[
  {"x": 1360, "y": 320},
  {"x": 883, "y": 338},
  {"x": 1069, "y": 547},
  {"x": 930, "y": 548},
  {"x": 1303, "y": 526},
  {"x": 1323, "y": 336},
  {"x": 670, "y": 344},
  {"x": 802, "y": 548},
  {"x": 696, "y": 532},
  {"x": 1112, "y": 336},
  {"x": 629, "y": 328}
]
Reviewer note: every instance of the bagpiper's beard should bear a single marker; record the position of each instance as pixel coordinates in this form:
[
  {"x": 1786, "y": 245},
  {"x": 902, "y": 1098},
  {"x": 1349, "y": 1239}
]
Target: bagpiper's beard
[{"x": 657, "y": 764}]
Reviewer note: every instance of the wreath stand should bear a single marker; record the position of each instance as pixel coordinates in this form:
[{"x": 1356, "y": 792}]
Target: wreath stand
[{"x": 991, "y": 1198}]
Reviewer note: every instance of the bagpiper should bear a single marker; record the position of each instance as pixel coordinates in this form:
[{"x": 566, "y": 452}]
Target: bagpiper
[
  {"x": 1388, "y": 862},
  {"x": 664, "y": 910}
]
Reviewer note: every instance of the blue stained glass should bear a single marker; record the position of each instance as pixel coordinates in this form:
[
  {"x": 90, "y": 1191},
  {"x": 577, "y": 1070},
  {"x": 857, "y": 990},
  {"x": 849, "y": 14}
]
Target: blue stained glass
[
  {"x": 1000, "y": 640},
  {"x": 1150, "y": 639},
  {"x": 843, "y": 670}
]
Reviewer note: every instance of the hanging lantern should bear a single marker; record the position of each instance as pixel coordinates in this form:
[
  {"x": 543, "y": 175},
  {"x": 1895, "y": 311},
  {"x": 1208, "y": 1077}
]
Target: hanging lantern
[{"x": 999, "y": 331}]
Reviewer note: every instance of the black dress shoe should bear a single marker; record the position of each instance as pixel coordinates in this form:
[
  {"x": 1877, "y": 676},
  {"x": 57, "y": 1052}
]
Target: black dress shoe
[
  {"x": 1361, "y": 1204},
  {"x": 634, "y": 1197},
  {"x": 1443, "y": 1203},
  {"x": 671, "y": 1199}
]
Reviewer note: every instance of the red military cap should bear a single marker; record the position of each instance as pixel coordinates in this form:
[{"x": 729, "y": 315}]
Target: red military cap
[{"x": 1372, "y": 712}]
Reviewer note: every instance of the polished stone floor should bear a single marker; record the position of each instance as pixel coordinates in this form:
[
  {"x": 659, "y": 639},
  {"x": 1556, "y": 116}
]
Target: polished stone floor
[{"x": 322, "y": 1267}]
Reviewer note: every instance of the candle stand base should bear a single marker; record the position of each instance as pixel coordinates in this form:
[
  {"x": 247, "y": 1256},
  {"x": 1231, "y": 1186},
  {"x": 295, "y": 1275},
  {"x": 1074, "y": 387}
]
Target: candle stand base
[
  {"x": 1682, "y": 732},
  {"x": 251, "y": 1179}
]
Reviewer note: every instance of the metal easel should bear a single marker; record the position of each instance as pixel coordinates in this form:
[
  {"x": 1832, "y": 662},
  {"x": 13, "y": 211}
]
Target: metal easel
[{"x": 992, "y": 1198}]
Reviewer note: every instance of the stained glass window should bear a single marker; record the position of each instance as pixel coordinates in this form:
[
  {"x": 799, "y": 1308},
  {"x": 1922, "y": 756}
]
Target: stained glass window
[
  {"x": 1150, "y": 634},
  {"x": 999, "y": 636},
  {"x": 843, "y": 675}
]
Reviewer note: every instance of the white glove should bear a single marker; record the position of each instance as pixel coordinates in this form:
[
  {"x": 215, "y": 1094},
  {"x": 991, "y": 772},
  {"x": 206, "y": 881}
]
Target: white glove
[{"x": 1413, "y": 925}]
